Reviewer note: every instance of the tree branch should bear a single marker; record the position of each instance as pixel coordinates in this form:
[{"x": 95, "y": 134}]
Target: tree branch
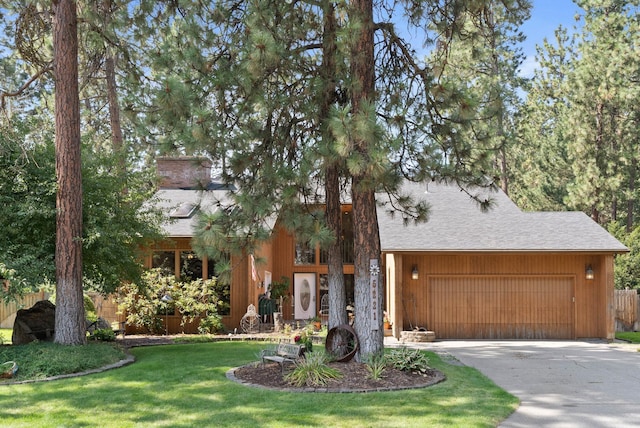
[{"x": 4, "y": 94}]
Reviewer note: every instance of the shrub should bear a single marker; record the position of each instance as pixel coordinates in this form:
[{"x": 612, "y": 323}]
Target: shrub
[
  {"x": 211, "y": 324},
  {"x": 376, "y": 364},
  {"x": 410, "y": 360},
  {"x": 103, "y": 335},
  {"x": 145, "y": 307},
  {"x": 312, "y": 371}
]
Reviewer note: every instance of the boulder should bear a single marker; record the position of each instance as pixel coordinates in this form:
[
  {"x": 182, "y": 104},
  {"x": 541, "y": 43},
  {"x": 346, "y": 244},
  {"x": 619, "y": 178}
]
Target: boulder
[
  {"x": 99, "y": 324},
  {"x": 35, "y": 323}
]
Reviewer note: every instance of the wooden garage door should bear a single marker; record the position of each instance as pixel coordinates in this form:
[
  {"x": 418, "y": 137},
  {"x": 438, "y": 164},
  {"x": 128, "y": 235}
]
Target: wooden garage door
[{"x": 499, "y": 307}]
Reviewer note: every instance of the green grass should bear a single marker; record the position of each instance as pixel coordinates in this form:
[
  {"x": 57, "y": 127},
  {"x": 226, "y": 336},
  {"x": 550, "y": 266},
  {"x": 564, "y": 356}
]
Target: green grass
[
  {"x": 629, "y": 336},
  {"x": 185, "y": 385},
  {"x": 39, "y": 360}
]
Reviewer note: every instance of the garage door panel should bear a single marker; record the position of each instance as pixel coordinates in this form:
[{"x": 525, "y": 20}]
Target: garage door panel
[{"x": 500, "y": 307}]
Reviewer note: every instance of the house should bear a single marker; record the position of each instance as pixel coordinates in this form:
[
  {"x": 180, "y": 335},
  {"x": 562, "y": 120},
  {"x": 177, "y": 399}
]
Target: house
[{"x": 499, "y": 274}]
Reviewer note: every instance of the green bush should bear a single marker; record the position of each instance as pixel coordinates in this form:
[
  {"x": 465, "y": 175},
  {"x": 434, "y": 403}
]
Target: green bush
[
  {"x": 410, "y": 360},
  {"x": 103, "y": 335},
  {"x": 312, "y": 371},
  {"x": 145, "y": 307},
  {"x": 627, "y": 266},
  {"x": 211, "y": 324}
]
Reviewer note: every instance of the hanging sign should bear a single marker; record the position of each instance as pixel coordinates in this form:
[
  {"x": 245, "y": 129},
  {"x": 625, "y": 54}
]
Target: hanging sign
[{"x": 374, "y": 274}]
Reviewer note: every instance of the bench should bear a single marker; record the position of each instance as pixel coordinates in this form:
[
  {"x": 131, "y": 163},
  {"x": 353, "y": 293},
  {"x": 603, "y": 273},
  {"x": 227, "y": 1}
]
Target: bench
[
  {"x": 284, "y": 353},
  {"x": 119, "y": 327}
]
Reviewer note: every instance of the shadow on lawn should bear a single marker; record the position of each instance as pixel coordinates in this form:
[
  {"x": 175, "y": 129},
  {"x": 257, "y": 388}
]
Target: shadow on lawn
[{"x": 186, "y": 385}]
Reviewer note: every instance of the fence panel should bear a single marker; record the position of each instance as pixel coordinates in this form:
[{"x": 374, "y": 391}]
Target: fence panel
[
  {"x": 626, "y": 303},
  {"x": 8, "y": 309}
]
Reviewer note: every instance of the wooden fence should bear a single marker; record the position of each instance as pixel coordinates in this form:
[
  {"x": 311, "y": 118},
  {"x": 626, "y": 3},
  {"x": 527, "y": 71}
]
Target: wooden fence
[
  {"x": 8, "y": 310},
  {"x": 627, "y": 316},
  {"x": 106, "y": 308}
]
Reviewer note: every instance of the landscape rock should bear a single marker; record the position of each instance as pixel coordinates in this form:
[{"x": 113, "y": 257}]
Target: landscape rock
[{"x": 35, "y": 323}]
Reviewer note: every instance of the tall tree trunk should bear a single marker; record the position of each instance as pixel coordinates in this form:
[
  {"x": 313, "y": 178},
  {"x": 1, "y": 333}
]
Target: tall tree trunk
[
  {"x": 337, "y": 294},
  {"x": 368, "y": 290},
  {"x": 117, "y": 140},
  {"x": 70, "y": 318},
  {"x": 599, "y": 159},
  {"x": 631, "y": 201}
]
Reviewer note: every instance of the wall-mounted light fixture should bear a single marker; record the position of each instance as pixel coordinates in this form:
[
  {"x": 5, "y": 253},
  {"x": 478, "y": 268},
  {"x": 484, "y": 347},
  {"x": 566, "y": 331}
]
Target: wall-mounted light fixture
[
  {"x": 588, "y": 273},
  {"x": 414, "y": 272}
]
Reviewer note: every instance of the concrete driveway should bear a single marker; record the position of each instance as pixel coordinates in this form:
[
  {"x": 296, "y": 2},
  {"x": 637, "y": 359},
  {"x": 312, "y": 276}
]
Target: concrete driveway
[{"x": 559, "y": 383}]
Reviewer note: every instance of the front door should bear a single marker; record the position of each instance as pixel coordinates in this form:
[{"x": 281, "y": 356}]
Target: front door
[{"x": 304, "y": 295}]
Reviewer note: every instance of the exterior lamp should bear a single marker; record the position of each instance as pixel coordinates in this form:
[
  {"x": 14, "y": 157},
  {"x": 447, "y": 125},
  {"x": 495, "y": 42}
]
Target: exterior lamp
[
  {"x": 414, "y": 272},
  {"x": 166, "y": 299},
  {"x": 588, "y": 273}
]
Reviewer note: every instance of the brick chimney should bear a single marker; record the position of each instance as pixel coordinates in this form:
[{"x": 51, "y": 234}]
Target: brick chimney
[{"x": 184, "y": 172}]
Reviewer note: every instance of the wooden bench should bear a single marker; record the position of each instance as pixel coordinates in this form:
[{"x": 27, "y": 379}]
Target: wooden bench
[{"x": 284, "y": 353}]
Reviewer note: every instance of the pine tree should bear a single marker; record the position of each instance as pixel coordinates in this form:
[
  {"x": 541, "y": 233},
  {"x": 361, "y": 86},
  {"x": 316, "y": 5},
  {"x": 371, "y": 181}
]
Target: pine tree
[
  {"x": 245, "y": 86},
  {"x": 581, "y": 121},
  {"x": 69, "y": 322}
]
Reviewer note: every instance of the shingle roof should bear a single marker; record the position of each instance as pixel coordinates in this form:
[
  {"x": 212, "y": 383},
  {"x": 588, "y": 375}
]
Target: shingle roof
[
  {"x": 456, "y": 223},
  {"x": 170, "y": 199},
  {"x": 173, "y": 201}
]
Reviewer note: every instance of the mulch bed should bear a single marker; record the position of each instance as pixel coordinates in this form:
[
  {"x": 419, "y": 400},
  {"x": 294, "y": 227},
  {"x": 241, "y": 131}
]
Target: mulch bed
[{"x": 355, "y": 378}]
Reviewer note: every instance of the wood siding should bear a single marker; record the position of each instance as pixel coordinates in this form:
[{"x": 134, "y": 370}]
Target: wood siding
[
  {"x": 283, "y": 264},
  {"x": 463, "y": 295},
  {"x": 592, "y": 312}
]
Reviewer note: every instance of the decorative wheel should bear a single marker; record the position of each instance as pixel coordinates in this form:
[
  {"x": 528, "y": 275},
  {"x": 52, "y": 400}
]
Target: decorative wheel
[{"x": 342, "y": 342}]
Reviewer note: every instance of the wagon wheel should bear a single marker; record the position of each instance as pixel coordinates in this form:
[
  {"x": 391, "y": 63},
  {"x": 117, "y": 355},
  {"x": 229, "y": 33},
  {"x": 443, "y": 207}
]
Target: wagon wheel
[
  {"x": 250, "y": 323},
  {"x": 342, "y": 342}
]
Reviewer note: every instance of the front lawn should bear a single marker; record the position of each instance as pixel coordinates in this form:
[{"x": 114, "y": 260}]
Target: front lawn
[
  {"x": 185, "y": 385},
  {"x": 629, "y": 336}
]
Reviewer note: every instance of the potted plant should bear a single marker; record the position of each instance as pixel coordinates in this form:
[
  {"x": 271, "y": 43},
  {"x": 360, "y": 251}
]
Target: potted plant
[
  {"x": 386, "y": 321},
  {"x": 316, "y": 322},
  {"x": 278, "y": 291}
]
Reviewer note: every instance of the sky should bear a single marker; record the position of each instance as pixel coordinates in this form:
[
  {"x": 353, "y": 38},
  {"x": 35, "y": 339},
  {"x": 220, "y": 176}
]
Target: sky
[{"x": 546, "y": 17}]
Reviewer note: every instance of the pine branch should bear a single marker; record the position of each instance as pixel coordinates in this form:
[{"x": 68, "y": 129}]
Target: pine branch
[{"x": 23, "y": 88}]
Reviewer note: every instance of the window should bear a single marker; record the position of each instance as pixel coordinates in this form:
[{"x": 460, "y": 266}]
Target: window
[
  {"x": 347, "y": 241},
  {"x": 190, "y": 266},
  {"x": 349, "y": 281},
  {"x": 305, "y": 255},
  {"x": 223, "y": 288},
  {"x": 165, "y": 261}
]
